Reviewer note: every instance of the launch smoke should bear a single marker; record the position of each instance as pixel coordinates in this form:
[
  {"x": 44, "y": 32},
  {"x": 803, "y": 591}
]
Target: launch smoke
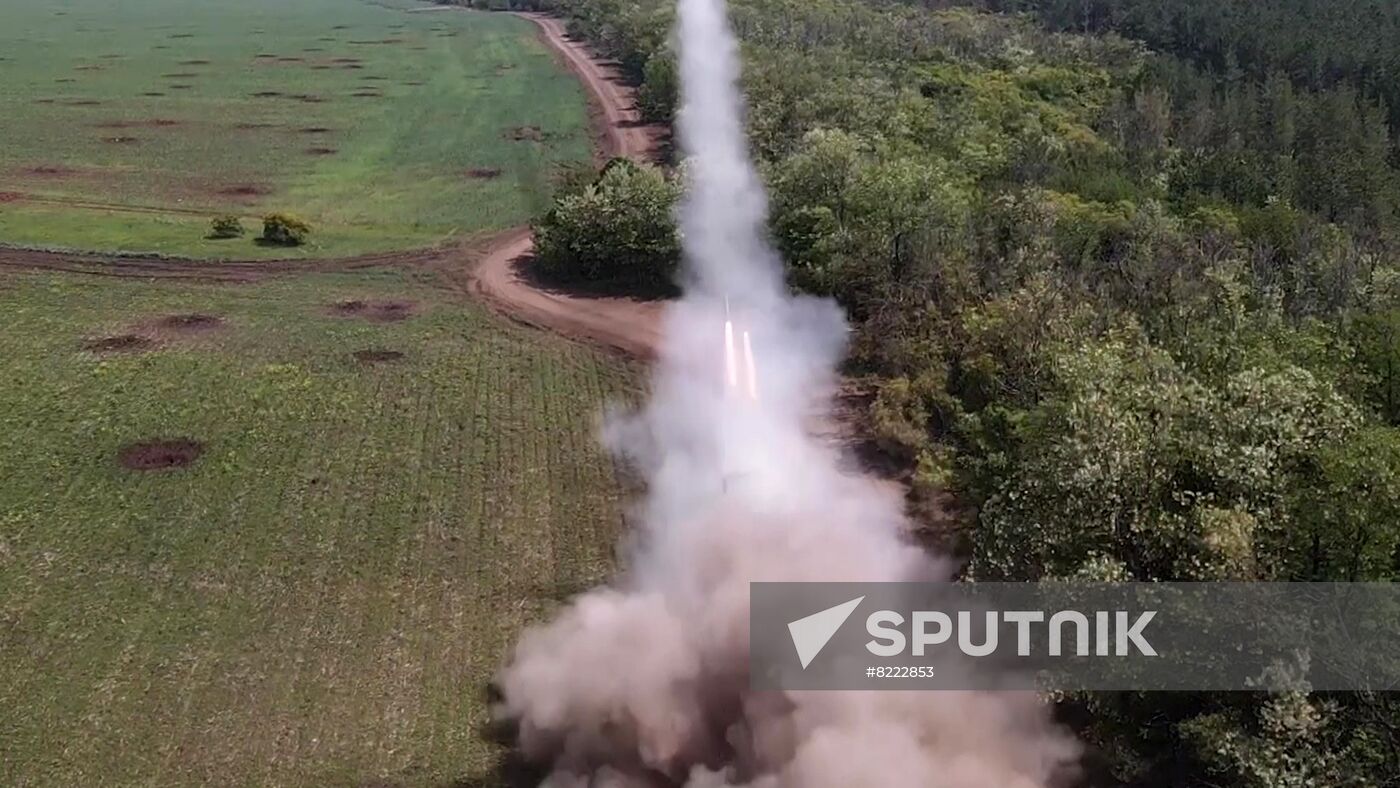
[{"x": 645, "y": 682}]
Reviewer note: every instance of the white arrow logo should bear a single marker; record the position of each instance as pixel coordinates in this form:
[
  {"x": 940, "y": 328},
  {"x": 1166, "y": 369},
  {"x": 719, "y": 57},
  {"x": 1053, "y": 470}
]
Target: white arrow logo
[{"x": 810, "y": 634}]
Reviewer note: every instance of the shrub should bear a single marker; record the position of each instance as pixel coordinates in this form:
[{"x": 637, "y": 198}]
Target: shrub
[
  {"x": 226, "y": 227},
  {"x": 283, "y": 229}
]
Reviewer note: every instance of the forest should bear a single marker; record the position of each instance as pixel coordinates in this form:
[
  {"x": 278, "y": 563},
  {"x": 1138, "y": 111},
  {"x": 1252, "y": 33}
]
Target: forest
[{"x": 1124, "y": 275}]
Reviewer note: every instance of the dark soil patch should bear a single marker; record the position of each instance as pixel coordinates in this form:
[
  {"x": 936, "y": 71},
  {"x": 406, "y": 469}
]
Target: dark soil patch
[
  {"x": 181, "y": 35},
  {"x": 372, "y": 78},
  {"x": 160, "y": 455},
  {"x": 340, "y": 27},
  {"x": 190, "y": 322},
  {"x": 89, "y": 67},
  {"x": 10, "y": 197},
  {"x": 377, "y": 311},
  {"x": 367, "y": 94},
  {"x": 321, "y": 67},
  {"x": 160, "y": 46},
  {"x": 351, "y": 66},
  {"x": 376, "y": 356},
  {"x": 194, "y": 62},
  {"x": 525, "y": 134},
  {"x": 314, "y": 130},
  {"x": 314, "y": 49},
  {"x": 65, "y": 80},
  {"x": 415, "y": 84},
  {"x": 264, "y": 56},
  {"x": 81, "y": 103},
  {"x": 181, "y": 87},
  {"x": 291, "y": 60},
  {"x": 484, "y": 173},
  {"x": 327, "y": 39},
  {"x": 52, "y": 171},
  {"x": 153, "y": 93},
  {"x": 269, "y": 94},
  {"x": 320, "y": 151},
  {"x": 346, "y": 60},
  {"x": 245, "y": 190},
  {"x": 308, "y": 98},
  {"x": 181, "y": 75},
  {"x": 118, "y": 344}
]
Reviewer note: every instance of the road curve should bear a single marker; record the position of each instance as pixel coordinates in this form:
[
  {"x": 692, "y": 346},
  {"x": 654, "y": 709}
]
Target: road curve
[{"x": 631, "y": 326}]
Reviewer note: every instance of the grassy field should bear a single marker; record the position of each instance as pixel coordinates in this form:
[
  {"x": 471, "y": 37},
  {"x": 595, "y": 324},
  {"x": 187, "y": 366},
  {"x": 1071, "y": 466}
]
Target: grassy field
[
  {"x": 321, "y": 597},
  {"x": 128, "y": 124}
]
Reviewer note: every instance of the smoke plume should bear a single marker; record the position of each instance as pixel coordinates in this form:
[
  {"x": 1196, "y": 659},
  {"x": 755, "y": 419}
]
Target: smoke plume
[{"x": 645, "y": 682}]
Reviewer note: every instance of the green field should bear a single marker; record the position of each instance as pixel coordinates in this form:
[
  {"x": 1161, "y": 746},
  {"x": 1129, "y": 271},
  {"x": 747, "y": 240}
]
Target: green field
[
  {"x": 128, "y": 125},
  {"x": 321, "y": 597}
]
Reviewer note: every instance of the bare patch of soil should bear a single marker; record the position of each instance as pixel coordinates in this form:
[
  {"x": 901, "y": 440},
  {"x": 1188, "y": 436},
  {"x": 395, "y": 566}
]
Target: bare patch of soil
[
  {"x": 484, "y": 173},
  {"x": 377, "y": 356},
  {"x": 190, "y": 322},
  {"x": 180, "y": 75},
  {"x": 160, "y": 455},
  {"x": 269, "y": 94},
  {"x": 153, "y": 93},
  {"x": 346, "y": 60},
  {"x": 65, "y": 80},
  {"x": 372, "y": 78},
  {"x": 376, "y": 311},
  {"x": 320, "y": 151},
  {"x": 351, "y": 66},
  {"x": 314, "y": 130},
  {"x": 194, "y": 63},
  {"x": 10, "y": 197},
  {"x": 367, "y": 94},
  {"x": 181, "y": 35},
  {"x": 122, "y": 343},
  {"x": 181, "y": 87}
]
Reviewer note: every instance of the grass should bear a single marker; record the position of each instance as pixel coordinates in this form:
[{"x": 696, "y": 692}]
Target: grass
[
  {"x": 85, "y": 166},
  {"x": 322, "y": 596}
]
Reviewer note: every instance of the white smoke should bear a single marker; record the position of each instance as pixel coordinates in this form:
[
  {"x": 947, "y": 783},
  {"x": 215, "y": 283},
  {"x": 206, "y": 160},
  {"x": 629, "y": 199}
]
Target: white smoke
[{"x": 645, "y": 682}]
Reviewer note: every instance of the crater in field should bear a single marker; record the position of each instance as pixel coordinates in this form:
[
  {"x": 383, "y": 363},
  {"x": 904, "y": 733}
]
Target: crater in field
[
  {"x": 145, "y": 123},
  {"x": 320, "y": 151},
  {"x": 160, "y": 454},
  {"x": 484, "y": 173},
  {"x": 118, "y": 344},
  {"x": 245, "y": 190},
  {"x": 190, "y": 322},
  {"x": 525, "y": 134},
  {"x": 377, "y": 311},
  {"x": 51, "y": 171},
  {"x": 377, "y": 356}
]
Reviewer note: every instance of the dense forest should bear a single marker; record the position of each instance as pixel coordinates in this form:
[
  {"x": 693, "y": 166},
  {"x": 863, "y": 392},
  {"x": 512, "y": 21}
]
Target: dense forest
[{"x": 1125, "y": 275}]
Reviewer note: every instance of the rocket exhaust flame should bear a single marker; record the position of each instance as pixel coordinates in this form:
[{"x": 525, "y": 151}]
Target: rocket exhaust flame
[{"x": 645, "y": 682}]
